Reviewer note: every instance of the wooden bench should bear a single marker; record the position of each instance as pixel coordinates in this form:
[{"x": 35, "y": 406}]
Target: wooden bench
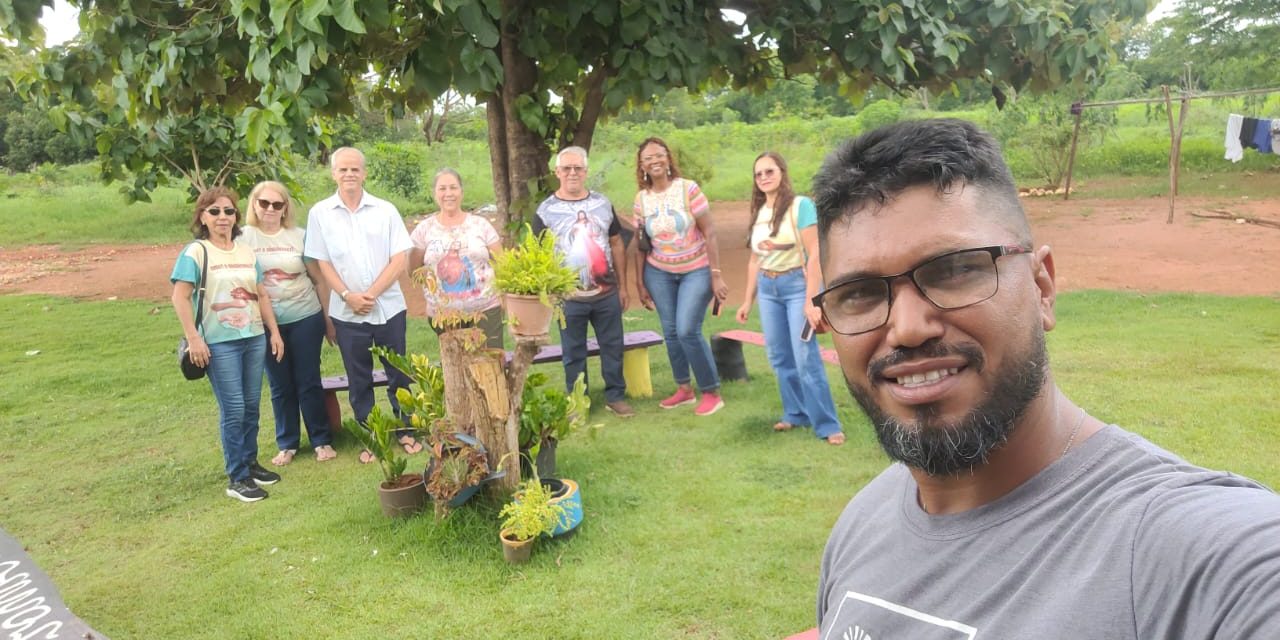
[
  {"x": 635, "y": 366},
  {"x": 730, "y": 362}
]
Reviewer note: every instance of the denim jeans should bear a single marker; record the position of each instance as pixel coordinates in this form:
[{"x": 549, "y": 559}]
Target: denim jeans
[
  {"x": 354, "y": 340},
  {"x": 235, "y": 373},
  {"x": 295, "y": 384},
  {"x": 605, "y": 316},
  {"x": 802, "y": 376},
  {"x": 682, "y": 299}
]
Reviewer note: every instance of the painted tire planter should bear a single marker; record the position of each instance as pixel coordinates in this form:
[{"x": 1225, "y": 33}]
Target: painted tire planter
[
  {"x": 527, "y": 315},
  {"x": 566, "y": 494},
  {"x": 403, "y": 498}
]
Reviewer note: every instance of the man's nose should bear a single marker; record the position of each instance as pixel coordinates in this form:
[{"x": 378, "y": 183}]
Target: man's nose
[{"x": 913, "y": 320}]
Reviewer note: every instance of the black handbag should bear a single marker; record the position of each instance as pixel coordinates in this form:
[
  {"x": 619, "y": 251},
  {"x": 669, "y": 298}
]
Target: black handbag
[{"x": 191, "y": 370}]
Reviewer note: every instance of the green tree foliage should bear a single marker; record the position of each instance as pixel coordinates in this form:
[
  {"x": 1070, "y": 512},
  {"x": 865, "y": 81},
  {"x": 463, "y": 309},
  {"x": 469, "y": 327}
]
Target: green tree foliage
[
  {"x": 178, "y": 88},
  {"x": 1227, "y": 42}
]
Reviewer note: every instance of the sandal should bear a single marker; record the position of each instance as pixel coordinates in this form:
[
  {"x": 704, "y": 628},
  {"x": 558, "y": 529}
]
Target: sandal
[
  {"x": 410, "y": 445},
  {"x": 366, "y": 456},
  {"x": 781, "y": 426},
  {"x": 836, "y": 439},
  {"x": 325, "y": 452},
  {"x": 284, "y": 457}
]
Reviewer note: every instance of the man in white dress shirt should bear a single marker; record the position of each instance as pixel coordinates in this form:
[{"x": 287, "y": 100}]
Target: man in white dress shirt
[{"x": 362, "y": 247}]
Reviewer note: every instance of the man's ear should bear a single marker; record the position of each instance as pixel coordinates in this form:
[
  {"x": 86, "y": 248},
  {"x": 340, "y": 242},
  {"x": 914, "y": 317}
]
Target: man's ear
[{"x": 1048, "y": 288}]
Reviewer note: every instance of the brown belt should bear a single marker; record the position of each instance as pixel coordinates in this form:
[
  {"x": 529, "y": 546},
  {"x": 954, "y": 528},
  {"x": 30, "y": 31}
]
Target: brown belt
[{"x": 774, "y": 274}]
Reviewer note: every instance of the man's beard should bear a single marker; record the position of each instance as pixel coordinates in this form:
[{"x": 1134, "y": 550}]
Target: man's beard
[{"x": 947, "y": 448}]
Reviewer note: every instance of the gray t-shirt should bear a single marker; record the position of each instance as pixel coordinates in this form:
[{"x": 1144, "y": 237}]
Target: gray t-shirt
[{"x": 1118, "y": 539}]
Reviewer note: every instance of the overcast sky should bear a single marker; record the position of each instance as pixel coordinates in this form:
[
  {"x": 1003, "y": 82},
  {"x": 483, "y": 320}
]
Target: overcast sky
[{"x": 60, "y": 24}]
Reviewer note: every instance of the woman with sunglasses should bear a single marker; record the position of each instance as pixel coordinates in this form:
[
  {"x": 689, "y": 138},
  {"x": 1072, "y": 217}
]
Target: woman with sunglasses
[
  {"x": 452, "y": 256},
  {"x": 783, "y": 274},
  {"x": 229, "y": 343},
  {"x": 299, "y": 297},
  {"x": 681, "y": 271}
]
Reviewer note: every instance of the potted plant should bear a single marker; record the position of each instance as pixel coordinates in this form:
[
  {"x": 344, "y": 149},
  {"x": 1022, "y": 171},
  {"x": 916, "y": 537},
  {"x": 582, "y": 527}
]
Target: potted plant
[
  {"x": 532, "y": 278},
  {"x": 547, "y": 416},
  {"x": 401, "y": 494},
  {"x": 459, "y": 466},
  {"x": 530, "y": 514}
]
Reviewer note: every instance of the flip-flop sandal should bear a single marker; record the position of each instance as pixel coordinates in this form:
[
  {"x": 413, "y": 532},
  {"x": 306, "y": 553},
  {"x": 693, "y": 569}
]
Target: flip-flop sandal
[
  {"x": 325, "y": 453},
  {"x": 366, "y": 457},
  {"x": 835, "y": 439},
  {"x": 410, "y": 445},
  {"x": 284, "y": 457},
  {"x": 781, "y": 426}
]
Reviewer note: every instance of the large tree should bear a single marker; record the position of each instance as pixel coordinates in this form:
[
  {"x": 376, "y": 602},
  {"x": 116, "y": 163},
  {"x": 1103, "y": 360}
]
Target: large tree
[{"x": 175, "y": 88}]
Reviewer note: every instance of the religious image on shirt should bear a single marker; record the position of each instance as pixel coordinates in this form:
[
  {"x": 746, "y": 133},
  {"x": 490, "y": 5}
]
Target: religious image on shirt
[
  {"x": 456, "y": 274},
  {"x": 232, "y": 309},
  {"x": 276, "y": 281},
  {"x": 586, "y": 253},
  {"x": 665, "y": 227},
  {"x": 862, "y": 617}
]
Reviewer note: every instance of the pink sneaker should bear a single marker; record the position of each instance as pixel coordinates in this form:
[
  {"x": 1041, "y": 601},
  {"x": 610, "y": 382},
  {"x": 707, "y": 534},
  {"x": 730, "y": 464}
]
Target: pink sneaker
[
  {"x": 711, "y": 403},
  {"x": 683, "y": 395}
]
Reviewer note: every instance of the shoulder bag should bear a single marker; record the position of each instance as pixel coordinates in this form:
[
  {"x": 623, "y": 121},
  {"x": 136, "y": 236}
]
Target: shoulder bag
[{"x": 191, "y": 370}]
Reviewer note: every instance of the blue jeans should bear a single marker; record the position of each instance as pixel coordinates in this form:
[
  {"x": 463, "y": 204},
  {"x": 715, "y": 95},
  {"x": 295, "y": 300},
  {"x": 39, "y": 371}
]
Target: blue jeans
[
  {"x": 605, "y": 316},
  {"x": 295, "y": 384},
  {"x": 235, "y": 373},
  {"x": 682, "y": 299},
  {"x": 802, "y": 376}
]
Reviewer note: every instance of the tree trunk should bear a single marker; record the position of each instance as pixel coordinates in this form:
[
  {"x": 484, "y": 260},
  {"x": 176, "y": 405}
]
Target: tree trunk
[
  {"x": 519, "y": 157},
  {"x": 592, "y": 105},
  {"x": 477, "y": 399},
  {"x": 517, "y": 374}
]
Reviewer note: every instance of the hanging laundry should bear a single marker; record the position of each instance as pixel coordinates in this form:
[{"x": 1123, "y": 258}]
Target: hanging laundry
[
  {"x": 1247, "y": 129},
  {"x": 1275, "y": 136},
  {"x": 1235, "y": 152},
  {"x": 1262, "y": 137}
]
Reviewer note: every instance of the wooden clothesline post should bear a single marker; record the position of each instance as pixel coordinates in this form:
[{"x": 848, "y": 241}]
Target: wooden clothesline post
[{"x": 1175, "y": 133}]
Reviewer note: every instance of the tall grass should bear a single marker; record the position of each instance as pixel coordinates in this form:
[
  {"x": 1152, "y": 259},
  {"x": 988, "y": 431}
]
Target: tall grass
[{"x": 695, "y": 528}]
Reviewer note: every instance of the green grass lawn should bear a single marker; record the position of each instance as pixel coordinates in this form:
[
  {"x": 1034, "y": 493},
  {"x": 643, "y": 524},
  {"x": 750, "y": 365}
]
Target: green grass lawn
[{"x": 695, "y": 528}]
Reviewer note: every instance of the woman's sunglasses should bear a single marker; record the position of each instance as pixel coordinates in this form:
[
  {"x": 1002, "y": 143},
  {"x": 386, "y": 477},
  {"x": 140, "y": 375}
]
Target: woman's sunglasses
[
  {"x": 267, "y": 204},
  {"x": 225, "y": 211}
]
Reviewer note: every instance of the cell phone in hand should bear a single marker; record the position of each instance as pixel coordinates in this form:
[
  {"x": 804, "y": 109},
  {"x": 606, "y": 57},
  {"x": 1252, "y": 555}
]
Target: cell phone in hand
[
  {"x": 806, "y": 334},
  {"x": 715, "y": 307}
]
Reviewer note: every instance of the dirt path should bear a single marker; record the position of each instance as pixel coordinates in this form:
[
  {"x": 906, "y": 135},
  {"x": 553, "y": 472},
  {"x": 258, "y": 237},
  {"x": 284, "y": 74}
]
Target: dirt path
[{"x": 1098, "y": 244}]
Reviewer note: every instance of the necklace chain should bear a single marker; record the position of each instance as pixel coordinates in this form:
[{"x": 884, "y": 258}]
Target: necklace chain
[{"x": 1074, "y": 430}]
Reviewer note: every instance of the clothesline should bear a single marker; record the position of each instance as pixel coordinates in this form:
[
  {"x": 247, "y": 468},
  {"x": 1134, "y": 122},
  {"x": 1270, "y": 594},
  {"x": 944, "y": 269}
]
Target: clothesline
[{"x": 1184, "y": 96}]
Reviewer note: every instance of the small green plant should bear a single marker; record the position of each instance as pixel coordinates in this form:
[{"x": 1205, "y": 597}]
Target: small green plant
[
  {"x": 548, "y": 413},
  {"x": 533, "y": 268},
  {"x": 378, "y": 435},
  {"x": 531, "y": 513},
  {"x": 425, "y": 404}
]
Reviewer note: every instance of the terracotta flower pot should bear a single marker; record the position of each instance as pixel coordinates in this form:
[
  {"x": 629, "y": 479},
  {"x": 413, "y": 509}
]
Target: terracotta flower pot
[
  {"x": 527, "y": 315},
  {"x": 404, "y": 497},
  {"x": 515, "y": 551}
]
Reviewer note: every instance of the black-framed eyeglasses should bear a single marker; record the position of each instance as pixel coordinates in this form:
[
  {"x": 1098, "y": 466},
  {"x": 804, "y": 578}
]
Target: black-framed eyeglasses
[
  {"x": 949, "y": 281},
  {"x": 265, "y": 204},
  {"x": 225, "y": 211}
]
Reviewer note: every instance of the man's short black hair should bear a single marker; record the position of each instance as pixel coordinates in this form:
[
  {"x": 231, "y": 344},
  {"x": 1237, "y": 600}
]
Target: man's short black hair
[{"x": 868, "y": 171}]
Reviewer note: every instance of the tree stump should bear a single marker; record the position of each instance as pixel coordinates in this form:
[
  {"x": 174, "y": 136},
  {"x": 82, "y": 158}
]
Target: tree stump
[{"x": 477, "y": 397}]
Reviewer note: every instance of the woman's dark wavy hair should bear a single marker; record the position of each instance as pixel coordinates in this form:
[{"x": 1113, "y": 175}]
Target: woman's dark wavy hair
[
  {"x": 786, "y": 194},
  {"x": 204, "y": 201},
  {"x": 873, "y": 168}
]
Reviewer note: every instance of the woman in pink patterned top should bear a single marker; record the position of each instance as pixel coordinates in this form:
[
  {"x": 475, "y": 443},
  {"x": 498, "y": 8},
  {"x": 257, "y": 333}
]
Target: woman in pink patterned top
[
  {"x": 681, "y": 271},
  {"x": 452, "y": 255}
]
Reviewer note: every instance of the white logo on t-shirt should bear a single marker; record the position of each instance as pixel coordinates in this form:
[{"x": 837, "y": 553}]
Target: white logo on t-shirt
[{"x": 858, "y": 613}]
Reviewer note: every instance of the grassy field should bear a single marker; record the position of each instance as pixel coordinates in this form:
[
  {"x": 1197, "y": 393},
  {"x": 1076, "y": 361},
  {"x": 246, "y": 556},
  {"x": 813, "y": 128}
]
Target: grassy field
[
  {"x": 695, "y": 528},
  {"x": 68, "y": 206}
]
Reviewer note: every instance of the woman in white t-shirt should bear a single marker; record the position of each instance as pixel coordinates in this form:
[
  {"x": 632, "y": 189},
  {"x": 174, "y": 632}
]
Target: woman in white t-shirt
[
  {"x": 452, "y": 258},
  {"x": 782, "y": 275},
  {"x": 299, "y": 296},
  {"x": 235, "y": 313}
]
